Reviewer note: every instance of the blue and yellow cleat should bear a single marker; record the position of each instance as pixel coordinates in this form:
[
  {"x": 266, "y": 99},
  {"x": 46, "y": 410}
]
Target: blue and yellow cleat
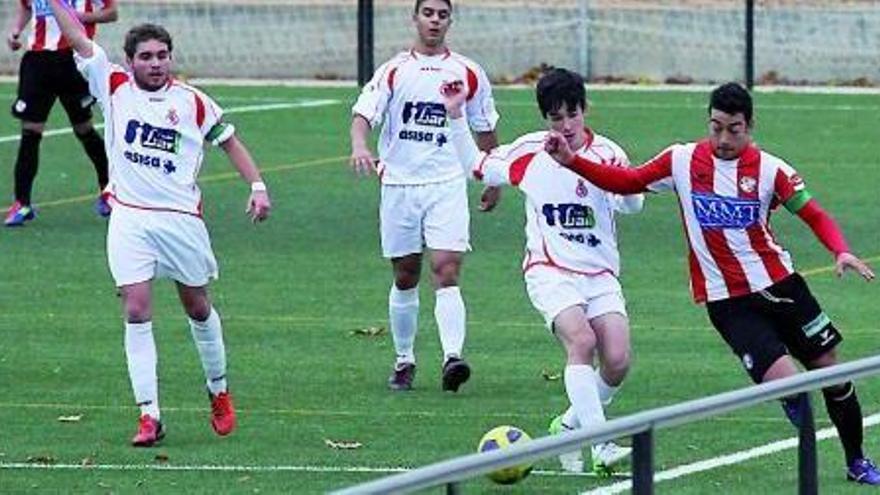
[
  {"x": 18, "y": 214},
  {"x": 863, "y": 471}
]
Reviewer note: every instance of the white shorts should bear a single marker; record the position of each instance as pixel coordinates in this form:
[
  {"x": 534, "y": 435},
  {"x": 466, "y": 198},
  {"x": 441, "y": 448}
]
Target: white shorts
[
  {"x": 143, "y": 245},
  {"x": 552, "y": 291},
  {"x": 432, "y": 215}
]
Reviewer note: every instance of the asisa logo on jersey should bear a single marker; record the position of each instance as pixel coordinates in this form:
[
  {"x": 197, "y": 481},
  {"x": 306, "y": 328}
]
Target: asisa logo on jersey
[
  {"x": 425, "y": 113},
  {"x": 722, "y": 212},
  {"x": 569, "y": 215},
  {"x": 151, "y": 137}
]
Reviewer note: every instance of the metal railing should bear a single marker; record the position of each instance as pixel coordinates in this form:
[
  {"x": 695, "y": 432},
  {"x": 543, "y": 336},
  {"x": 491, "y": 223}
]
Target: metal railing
[{"x": 640, "y": 426}]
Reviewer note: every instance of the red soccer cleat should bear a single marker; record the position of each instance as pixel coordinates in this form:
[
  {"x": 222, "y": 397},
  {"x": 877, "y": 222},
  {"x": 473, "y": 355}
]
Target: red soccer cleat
[
  {"x": 149, "y": 432},
  {"x": 222, "y": 413}
]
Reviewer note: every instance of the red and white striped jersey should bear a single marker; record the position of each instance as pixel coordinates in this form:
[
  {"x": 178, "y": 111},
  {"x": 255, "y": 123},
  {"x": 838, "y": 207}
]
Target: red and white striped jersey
[
  {"x": 569, "y": 221},
  {"x": 726, "y": 205},
  {"x": 45, "y": 33},
  {"x": 414, "y": 143},
  {"x": 154, "y": 139}
]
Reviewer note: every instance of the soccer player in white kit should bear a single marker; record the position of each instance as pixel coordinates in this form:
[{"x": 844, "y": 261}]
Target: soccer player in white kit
[
  {"x": 572, "y": 263},
  {"x": 424, "y": 193},
  {"x": 155, "y": 132}
]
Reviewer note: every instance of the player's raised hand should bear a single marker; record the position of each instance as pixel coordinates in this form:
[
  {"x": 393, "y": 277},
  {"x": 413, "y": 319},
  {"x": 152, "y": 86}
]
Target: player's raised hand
[
  {"x": 454, "y": 95},
  {"x": 848, "y": 261},
  {"x": 362, "y": 161},
  {"x": 258, "y": 206},
  {"x": 557, "y": 147},
  {"x": 490, "y": 198},
  {"x": 13, "y": 41}
]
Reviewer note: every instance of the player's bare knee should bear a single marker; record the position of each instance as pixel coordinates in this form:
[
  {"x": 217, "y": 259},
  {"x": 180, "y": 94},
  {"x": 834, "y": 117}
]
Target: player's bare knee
[
  {"x": 83, "y": 128},
  {"x": 616, "y": 362},
  {"x": 581, "y": 344},
  {"x": 138, "y": 310},
  {"x": 197, "y": 308},
  {"x": 33, "y": 128}
]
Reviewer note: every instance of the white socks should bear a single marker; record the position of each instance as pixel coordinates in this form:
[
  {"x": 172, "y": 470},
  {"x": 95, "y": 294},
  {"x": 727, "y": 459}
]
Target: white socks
[
  {"x": 208, "y": 337},
  {"x": 140, "y": 352},
  {"x": 580, "y": 385},
  {"x": 403, "y": 313},
  {"x": 451, "y": 317}
]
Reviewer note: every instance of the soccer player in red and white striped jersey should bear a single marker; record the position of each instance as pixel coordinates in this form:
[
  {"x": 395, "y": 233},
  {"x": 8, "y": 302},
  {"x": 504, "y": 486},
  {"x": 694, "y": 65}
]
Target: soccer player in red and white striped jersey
[
  {"x": 727, "y": 188},
  {"x": 47, "y": 73}
]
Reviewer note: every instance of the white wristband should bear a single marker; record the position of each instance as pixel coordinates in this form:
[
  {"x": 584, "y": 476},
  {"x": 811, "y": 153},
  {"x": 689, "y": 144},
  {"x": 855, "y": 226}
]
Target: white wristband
[{"x": 258, "y": 186}]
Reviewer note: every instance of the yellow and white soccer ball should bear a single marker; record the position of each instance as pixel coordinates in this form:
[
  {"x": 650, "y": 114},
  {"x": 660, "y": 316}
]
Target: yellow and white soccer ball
[{"x": 502, "y": 437}]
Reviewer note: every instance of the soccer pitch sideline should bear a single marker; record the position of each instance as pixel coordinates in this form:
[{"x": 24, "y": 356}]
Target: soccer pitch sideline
[{"x": 295, "y": 291}]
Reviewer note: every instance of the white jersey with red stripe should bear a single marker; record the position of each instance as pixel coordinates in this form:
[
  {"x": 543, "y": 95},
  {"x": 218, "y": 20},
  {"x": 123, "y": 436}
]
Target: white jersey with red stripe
[
  {"x": 569, "y": 222},
  {"x": 154, "y": 139},
  {"x": 405, "y": 94},
  {"x": 45, "y": 33},
  {"x": 726, "y": 205}
]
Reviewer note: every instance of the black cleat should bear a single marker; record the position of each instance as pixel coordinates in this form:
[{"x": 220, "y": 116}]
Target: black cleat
[
  {"x": 455, "y": 372},
  {"x": 402, "y": 377}
]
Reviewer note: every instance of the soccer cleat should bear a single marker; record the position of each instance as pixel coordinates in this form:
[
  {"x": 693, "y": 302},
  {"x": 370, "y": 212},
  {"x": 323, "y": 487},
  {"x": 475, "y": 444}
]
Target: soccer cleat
[
  {"x": 102, "y": 207},
  {"x": 455, "y": 372},
  {"x": 150, "y": 431},
  {"x": 863, "y": 471},
  {"x": 222, "y": 413},
  {"x": 607, "y": 455},
  {"x": 572, "y": 462},
  {"x": 18, "y": 214},
  {"x": 402, "y": 376}
]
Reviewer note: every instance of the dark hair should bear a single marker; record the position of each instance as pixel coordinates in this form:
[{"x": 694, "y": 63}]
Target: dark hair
[
  {"x": 558, "y": 86},
  {"x": 732, "y": 98},
  {"x": 420, "y": 2},
  {"x": 145, "y": 32}
]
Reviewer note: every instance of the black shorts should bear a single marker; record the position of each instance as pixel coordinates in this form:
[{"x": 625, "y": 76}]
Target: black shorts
[
  {"x": 44, "y": 76},
  {"x": 766, "y": 325}
]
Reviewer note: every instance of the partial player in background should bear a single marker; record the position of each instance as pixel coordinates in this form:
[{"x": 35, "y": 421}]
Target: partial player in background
[
  {"x": 572, "y": 263},
  {"x": 424, "y": 193},
  {"x": 727, "y": 187},
  {"x": 157, "y": 128},
  {"x": 47, "y": 72}
]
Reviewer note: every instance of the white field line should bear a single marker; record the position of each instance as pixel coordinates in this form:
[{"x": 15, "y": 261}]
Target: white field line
[
  {"x": 251, "y": 469},
  {"x": 726, "y": 460},
  {"x": 242, "y": 109}
]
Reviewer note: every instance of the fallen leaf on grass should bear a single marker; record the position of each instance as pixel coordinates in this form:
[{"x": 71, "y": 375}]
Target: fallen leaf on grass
[
  {"x": 244, "y": 479},
  {"x": 87, "y": 461},
  {"x": 103, "y": 485},
  {"x": 40, "y": 459},
  {"x": 550, "y": 375},
  {"x": 161, "y": 457},
  {"x": 368, "y": 331},
  {"x": 342, "y": 444},
  {"x": 74, "y": 418}
]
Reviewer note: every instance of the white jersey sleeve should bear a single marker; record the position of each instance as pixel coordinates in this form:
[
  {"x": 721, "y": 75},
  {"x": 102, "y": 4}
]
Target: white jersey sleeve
[
  {"x": 375, "y": 96},
  {"x": 507, "y": 164},
  {"x": 212, "y": 126},
  {"x": 97, "y": 70},
  {"x": 480, "y": 108}
]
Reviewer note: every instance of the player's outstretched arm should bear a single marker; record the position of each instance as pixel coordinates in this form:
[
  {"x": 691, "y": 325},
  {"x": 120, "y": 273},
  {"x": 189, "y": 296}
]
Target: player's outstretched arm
[
  {"x": 829, "y": 234},
  {"x": 362, "y": 160},
  {"x": 71, "y": 28},
  {"x": 19, "y": 21},
  {"x": 258, "y": 205},
  {"x": 610, "y": 178}
]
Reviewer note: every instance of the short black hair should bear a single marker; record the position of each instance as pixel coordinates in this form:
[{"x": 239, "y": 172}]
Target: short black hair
[
  {"x": 732, "y": 98},
  {"x": 420, "y": 2},
  {"x": 558, "y": 86},
  {"x": 145, "y": 32}
]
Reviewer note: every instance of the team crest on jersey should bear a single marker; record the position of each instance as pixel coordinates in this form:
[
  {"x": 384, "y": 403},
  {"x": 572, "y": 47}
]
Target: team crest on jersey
[
  {"x": 172, "y": 117},
  {"x": 747, "y": 184},
  {"x": 581, "y": 189}
]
